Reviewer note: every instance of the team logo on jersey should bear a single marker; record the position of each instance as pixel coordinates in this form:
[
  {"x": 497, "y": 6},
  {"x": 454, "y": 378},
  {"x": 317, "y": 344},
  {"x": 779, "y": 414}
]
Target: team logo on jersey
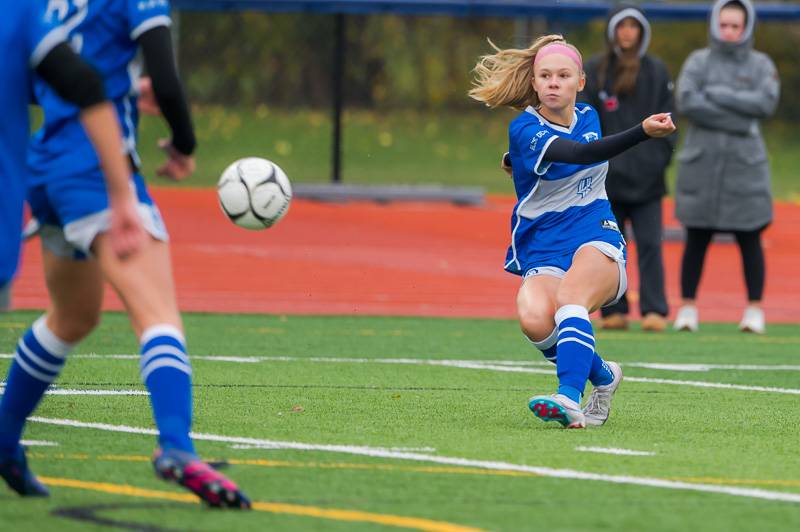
[
  {"x": 610, "y": 224},
  {"x": 535, "y": 139},
  {"x": 590, "y": 136},
  {"x": 584, "y": 186}
]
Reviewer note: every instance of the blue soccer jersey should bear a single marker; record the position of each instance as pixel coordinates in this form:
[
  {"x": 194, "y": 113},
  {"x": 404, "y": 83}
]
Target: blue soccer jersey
[
  {"x": 560, "y": 206},
  {"x": 26, "y": 37},
  {"x": 104, "y": 32}
]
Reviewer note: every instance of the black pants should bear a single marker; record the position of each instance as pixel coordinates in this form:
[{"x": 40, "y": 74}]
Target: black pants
[
  {"x": 647, "y": 233},
  {"x": 694, "y": 255}
]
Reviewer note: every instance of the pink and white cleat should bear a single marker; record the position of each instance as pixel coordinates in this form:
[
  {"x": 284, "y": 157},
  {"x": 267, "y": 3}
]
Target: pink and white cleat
[{"x": 186, "y": 469}]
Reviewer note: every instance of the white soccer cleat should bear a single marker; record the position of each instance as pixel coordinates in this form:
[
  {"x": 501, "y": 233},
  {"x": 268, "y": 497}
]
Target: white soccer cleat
[
  {"x": 753, "y": 320},
  {"x": 559, "y": 408},
  {"x": 598, "y": 407},
  {"x": 687, "y": 319}
]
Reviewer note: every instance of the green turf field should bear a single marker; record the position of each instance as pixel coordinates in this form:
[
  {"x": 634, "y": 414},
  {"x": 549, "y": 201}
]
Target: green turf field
[
  {"x": 440, "y": 405},
  {"x": 397, "y": 147}
]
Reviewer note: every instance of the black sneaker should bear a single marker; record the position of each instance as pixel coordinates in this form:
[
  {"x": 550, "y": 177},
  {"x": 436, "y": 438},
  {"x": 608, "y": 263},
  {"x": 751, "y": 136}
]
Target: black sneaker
[{"x": 18, "y": 476}]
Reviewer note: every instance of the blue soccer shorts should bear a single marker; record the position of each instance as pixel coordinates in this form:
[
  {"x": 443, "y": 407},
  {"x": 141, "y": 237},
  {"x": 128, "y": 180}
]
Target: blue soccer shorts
[{"x": 72, "y": 211}]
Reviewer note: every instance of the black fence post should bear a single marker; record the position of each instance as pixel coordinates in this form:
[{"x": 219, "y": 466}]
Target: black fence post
[{"x": 340, "y": 27}]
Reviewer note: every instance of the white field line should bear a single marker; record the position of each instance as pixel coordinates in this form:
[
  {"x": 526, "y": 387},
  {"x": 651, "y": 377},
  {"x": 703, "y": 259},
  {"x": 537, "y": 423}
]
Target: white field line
[
  {"x": 278, "y": 446},
  {"x": 753, "y": 493},
  {"x": 503, "y": 366},
  {"x": 698, "y": 384},
  {"x": 38, "y": 443},
  {"x": 68, "y": 391},
  {"x": 612, "y": 450},
  {"x": 668, "y": 366},
  {"x": 662, "y": 366},
  {"x": 472, "y": 364}
]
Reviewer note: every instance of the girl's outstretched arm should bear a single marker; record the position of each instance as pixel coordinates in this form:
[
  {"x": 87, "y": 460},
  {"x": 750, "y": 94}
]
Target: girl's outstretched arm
[{"x": 568, "y": 151}]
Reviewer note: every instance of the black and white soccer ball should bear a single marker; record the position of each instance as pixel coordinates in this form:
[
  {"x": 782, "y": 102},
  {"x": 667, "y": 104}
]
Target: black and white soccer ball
[{"x": 254, "y": 193}]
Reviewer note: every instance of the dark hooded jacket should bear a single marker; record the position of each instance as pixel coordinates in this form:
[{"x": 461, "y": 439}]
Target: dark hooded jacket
[
  {"x": 637, "y": 175},
  {"x": 724, "y": 91}
]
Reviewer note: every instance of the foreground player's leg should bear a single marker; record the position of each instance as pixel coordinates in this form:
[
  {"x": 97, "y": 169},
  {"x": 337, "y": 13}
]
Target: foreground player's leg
[
  {"x": 144, "y": 283},
  {"x": 38, "y": 361},
  {"x": 167, "y": 373},
  {"x": 76, "y": 293}
]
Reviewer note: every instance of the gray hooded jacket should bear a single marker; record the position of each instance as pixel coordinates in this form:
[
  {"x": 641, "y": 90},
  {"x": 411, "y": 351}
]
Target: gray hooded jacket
[{"x": 724, "y": 91}]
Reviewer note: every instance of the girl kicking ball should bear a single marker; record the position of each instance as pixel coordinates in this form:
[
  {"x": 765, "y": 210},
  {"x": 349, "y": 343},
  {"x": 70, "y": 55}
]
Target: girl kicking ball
[{"x": 565, "y": 242}]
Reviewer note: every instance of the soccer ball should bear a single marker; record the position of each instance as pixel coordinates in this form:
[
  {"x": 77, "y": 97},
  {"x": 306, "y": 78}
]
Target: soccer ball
[{"x": 254, "y": 193}]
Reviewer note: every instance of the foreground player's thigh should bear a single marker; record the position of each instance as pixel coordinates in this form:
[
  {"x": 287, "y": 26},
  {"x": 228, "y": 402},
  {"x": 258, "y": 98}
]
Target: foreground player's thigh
[
  {"x": 143, "y": 282},
  {"x": 76, "y": 295}
]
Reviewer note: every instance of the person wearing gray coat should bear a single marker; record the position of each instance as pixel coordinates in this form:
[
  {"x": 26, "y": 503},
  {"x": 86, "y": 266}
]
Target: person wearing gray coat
[{"x": 723, "y": 182}]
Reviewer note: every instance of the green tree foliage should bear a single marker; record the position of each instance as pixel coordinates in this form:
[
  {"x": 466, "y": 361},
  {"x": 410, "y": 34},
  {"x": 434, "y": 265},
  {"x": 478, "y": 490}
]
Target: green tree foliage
[{"x": 397, "y": 62}]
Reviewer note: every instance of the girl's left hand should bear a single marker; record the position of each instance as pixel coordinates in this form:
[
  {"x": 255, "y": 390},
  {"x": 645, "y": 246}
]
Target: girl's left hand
[{"x": 659, "y": 125}]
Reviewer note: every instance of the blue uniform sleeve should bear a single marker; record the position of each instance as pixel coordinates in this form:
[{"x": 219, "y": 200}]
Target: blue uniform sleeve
[
  {"x": 532, "y": 141},
  {"x": 43, "y": 32},
  {"x": 144, "y": 15}
]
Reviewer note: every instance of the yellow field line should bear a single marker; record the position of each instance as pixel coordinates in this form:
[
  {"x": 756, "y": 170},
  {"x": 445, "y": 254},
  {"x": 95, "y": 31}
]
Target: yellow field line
[
  {"x": 414, "y": 469},
  {"x": 118, "y": 489},
  {"x": 306, "y": 465},
  {"x": 385, "y": 467},
  {"x": 414, "y": 523}
]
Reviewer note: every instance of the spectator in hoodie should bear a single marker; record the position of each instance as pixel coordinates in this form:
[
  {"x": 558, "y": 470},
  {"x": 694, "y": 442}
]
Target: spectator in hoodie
[
  {"x": 723, "y": 185},
  {"x": 626, "y": 84}
]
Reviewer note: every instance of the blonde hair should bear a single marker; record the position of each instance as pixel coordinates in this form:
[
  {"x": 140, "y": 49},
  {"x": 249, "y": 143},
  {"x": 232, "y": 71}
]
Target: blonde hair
[{"x": 504, "y": 77}]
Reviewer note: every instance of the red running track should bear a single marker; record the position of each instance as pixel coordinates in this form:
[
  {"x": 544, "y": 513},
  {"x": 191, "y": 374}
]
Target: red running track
[{"x": 416, "y": 259}]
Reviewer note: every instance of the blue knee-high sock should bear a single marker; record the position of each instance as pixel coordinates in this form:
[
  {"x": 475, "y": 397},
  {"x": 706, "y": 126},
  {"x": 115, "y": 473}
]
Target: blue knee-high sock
[
  {"x": 38, "y": 361},
  {"x": 600, "y": 374},
  {"x": 548, "y": 346},
  {"x": 575, "y": 350},
  {"x": 167, "y": 373}
]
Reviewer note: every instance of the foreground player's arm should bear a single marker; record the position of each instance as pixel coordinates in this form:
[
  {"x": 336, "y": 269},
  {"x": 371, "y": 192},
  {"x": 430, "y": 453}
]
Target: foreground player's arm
[
  {"x": 158, "y": 55},
  {"x": 562, "y": 150},
  {"x": 77, "y": 82}
]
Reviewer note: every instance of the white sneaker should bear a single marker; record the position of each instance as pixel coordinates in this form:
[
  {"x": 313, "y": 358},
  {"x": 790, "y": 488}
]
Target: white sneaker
[
  {"x": 686, "y": 320},
  {"x": 559, "y": 408},
  {"x": 598, "y": 407},
  {"x": 753, "y": 320}
]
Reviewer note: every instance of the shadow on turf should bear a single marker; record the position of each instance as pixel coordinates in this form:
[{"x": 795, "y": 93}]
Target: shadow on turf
[{"x": 90, "y": 514}]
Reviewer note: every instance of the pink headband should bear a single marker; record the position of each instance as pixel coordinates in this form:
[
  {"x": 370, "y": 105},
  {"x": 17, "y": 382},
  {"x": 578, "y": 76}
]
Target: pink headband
[{"x": 558, "y": 48}]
